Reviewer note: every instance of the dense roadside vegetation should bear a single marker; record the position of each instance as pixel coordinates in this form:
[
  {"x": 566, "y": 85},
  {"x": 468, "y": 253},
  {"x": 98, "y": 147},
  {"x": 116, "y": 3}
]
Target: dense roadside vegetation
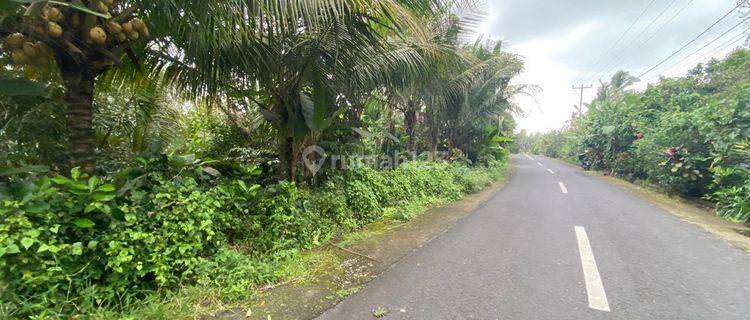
[
  {"x": 689, "y": 135},
  {"x": 147, "y": 146}
]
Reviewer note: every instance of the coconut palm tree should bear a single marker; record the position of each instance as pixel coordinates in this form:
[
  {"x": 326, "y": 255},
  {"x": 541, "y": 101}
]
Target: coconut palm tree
[
  {"x": 485, "y": 94},
  {"x": 84, "y": 40},
  {"x": 617, "y": 85},
  {"x": 285, "y": 58},
  {"x": 293, "y": 61}
]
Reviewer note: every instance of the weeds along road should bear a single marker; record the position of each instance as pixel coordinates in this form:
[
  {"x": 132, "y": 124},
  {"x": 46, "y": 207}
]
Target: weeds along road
[{"x": 559, "y": 244}]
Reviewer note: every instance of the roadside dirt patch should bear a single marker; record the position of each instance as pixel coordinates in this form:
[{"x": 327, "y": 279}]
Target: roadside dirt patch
[{"x": 380, "y": 246}]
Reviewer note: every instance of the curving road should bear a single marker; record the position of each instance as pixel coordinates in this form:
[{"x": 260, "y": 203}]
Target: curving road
[{"x": 556, "y": 243}]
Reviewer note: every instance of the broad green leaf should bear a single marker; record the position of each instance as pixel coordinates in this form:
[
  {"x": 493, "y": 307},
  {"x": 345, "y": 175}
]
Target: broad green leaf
[
  {"x": 179, "y": 162},
  {"x": 12, "y": 248},
  {"x": 61, "y": 180},
  {"x": 93, "y": 181},
  {"x": 27, "y": 242},
  {"x": 75, "y": 173},
  {"x": 77, "y": 249},
  {"x": 84, "y": 223},
  {"x": 269, "y": 116},
  {"x": 501, "y": 139},
  {"x": 32, "y": 233},
  {"x": 54, "y": 249},
  {"x": 78, "y": 186},
  {"x": 90, "y": 207},
  {"x": 105, "y": 209},
  {"x": 323, "y": 100},
  {"x": 308, "y": 110},
  {"x": 106, "y": 188},
  {"x": 37, "y": 207},
  {"x": 104, "y": 197}
]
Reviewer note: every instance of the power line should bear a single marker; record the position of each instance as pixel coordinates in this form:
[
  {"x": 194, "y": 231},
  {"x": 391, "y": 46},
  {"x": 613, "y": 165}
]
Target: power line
[
  {"x": 732, "y": 41},
  {"x": 694, "y": 39},
  {"x": 614, "y": 46},
  {"x": 624, "y": 55},
  {"x": 663, "y": 25},
  {"x": 706, "y": 45},
  {"x": 667, "y": 23}
]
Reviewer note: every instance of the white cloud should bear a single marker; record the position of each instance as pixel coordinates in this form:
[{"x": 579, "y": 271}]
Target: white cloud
[{"x": 552, "y": 107}]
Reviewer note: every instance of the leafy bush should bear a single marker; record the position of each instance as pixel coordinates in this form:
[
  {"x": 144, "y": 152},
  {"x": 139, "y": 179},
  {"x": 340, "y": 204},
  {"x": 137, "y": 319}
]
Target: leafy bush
[
  {"x": 70, "y": 244},
  {"x": 733, "y": 200},
  {"x": 364, "y": 190},
  {"x": 474, "y": 180},
  {"x": 436, "y": 179},
  {"x": 79, "y": 234},
  {"x": 234, "y": 273}
]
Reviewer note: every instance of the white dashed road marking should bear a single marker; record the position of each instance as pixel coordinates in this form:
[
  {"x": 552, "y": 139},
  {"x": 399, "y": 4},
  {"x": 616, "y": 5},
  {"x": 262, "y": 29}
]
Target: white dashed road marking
[
  {"x": 550, "y": 171},
  {"x": 563, "y": 188},
  {"x": 540, "y": 164},
  {"x": 594, "y": 286},
  {"x": 528, "y": 156}
]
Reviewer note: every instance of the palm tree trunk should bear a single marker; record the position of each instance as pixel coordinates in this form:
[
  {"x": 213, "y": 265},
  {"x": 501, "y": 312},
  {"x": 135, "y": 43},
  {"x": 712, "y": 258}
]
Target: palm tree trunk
[
  {"x": 287, "y": 158},
  {"x": 388, "y": 146},
  {"x": 410, "y": 124},
  {"x": 80, "y": 100},
  {"x": 432, "y": 133}
]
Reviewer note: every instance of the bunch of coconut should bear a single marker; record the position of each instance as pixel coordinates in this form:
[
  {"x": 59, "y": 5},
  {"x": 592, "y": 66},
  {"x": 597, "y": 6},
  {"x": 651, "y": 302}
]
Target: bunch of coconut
[
  {"x": 52, "y": 17},
  {"x": 54, "y": 22},
  {"x": 27, "y": 51},
  {"x": 123, "y": 32}
]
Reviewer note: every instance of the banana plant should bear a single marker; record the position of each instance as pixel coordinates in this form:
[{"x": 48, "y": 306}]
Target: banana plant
[{"x": 305, "y": 120}]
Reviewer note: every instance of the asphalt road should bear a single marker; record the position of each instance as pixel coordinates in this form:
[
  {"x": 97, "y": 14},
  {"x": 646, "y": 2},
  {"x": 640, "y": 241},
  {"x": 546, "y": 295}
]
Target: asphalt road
[{"x": 520, "y": 257}]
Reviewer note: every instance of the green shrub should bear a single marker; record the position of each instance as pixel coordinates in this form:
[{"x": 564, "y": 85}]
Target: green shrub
[
  {"x": 428, "y": 179},
  {"x": 731, "y": 182},
  {"x": 234, "y": 273},
  {"x": 275, "y": 222},
  {"x": 74, "y": 244},
  {"x": 62, "y": 236},
  {"x": 732, "y": 199},
  {"x": 365, "y": 191},
  {"x": 331, "y": 212}
]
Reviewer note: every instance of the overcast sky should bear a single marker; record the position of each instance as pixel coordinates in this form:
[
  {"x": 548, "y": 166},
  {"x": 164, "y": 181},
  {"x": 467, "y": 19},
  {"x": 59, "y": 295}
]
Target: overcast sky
[{"x": 562, "y": 41}]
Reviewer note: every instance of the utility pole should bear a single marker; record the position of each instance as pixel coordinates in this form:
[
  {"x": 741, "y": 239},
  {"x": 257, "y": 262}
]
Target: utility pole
[{"x": 580, "y": 104}]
